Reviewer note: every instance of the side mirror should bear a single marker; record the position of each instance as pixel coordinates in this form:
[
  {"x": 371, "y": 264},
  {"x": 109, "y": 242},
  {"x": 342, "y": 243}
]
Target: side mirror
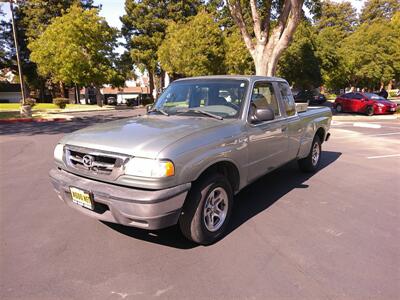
[
  {"x": 149, "y": 107},
  {"x": 262, "y": 115}
]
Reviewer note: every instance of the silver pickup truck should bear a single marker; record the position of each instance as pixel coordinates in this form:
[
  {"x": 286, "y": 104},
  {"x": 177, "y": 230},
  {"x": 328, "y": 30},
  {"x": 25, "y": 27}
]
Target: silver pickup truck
[{"x": 204, "y": 140}]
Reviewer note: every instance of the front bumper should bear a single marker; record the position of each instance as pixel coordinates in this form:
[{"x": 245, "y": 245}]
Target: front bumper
[{"x": 149, "y": 209}]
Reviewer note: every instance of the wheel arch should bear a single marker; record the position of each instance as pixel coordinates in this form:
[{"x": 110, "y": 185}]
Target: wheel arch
[
  {"x": 321, "y": 134},
  {"x": 226, "y": 168}
]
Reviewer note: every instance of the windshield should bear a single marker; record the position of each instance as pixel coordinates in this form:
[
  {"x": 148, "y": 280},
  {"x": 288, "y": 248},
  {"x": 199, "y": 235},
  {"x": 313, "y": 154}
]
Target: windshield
[
  {"x": 220, "y": 97},
  {"x": 374, "y": 97}
]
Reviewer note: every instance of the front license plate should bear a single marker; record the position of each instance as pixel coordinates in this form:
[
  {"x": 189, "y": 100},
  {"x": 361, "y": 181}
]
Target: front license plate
[{"x": 81, "y": 197}]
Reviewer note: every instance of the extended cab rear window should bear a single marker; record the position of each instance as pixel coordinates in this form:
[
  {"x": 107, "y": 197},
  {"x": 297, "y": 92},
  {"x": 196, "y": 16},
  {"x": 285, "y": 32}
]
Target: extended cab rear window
[{"x": 288, "y": 100}]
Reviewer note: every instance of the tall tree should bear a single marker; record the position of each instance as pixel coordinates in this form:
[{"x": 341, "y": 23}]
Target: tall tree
[
  {"x": 299, "y": 64},
  {"x": 194, "y": 48},
  {"x": 237, "y": 58},
  {"x": 336, "y": 21},
  {"x": 340, "y": 15},
  {"x": 144, "y": 27},
  {"x": 32, "y": 18},
  {"x": 269, "y": 31},
  {"x": 379, "y": 9},
  {"x": 6, "y": 42},
  {"x": 372, "y": 53},
  {"x": 36, "y": 15},
  {"x": 77, "y": 48}
]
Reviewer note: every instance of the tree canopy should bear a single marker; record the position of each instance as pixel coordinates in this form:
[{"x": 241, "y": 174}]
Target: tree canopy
[
  {"x": 299, "y": 64},
  {"x": 6, "y": 42},
  {"x": 379, "y": 9},
  {"x": 144, "y": 27},
  {"x": 194, "y": 48},
  {"x": 237, "y": 58},
  {"x": 371, "y": 54},
  {"x": 76, "y": 48}
]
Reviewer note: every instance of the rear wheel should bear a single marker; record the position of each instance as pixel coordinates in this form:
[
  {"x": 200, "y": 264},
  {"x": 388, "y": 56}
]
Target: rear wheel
[
  {"x": 339, "y": 108},
  {"x": 369, "y": 111},
  {"x": 311, "y": 162},
  {"x": 207, "y": 210}
]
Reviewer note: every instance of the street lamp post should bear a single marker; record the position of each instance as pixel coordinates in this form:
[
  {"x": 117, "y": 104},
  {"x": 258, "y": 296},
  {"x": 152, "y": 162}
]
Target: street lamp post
[{"x": 14, "y": 28}]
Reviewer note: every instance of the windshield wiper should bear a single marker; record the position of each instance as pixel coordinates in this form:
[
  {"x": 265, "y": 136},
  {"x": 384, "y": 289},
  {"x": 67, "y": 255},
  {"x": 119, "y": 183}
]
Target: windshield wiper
[
  {"x": 158, "y": 110},
  {"x": 206, "y": 113}
]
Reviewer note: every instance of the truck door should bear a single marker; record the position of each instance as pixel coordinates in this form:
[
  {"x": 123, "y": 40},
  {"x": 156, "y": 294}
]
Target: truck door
[
  {"x": 295, "y": 127},
  {"x": 268, "y": 141}
]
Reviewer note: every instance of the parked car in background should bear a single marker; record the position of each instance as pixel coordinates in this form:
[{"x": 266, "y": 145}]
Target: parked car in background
[
  {"x": 132, "y": 102},
  {"x": 318, "y": 99},
  {"x": 111, "y": 101},
  {"x": 311, "y": 97},
  {"x": 303, "y": 96},
  {"x": 365, "y": 103}
]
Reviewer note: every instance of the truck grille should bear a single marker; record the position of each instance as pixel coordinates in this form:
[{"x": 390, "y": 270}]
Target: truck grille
[{"x": 94, "y": 163}]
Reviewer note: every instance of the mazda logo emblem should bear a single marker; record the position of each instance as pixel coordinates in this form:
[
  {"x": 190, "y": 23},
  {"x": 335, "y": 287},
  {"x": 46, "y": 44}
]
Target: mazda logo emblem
[{"x": 88, "y": 161}]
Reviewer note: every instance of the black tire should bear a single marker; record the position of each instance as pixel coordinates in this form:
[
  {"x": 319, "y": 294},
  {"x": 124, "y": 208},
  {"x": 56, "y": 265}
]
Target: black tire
[
  {"x": 308, "y": 164},
  {"x": 192, "y": 220},
  {"x": 339, "y": 108},
  {"x": 369, "y": 111}
]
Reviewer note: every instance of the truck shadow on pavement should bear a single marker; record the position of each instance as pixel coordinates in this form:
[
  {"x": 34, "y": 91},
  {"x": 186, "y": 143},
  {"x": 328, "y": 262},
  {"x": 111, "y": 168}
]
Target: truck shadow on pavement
[{"x": 252, "y": 200}]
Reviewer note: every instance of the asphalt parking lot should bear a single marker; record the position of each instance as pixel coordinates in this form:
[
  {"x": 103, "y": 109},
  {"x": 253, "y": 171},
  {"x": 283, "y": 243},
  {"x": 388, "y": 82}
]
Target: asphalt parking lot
[{"x": 331, "y": 235}]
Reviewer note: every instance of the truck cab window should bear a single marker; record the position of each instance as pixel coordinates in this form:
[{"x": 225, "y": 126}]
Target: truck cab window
[{"x": 263, "y": 96}]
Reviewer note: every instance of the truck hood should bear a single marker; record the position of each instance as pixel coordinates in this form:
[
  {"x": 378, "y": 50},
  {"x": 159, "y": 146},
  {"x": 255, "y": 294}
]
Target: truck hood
[{"x": 143, "y": 136}]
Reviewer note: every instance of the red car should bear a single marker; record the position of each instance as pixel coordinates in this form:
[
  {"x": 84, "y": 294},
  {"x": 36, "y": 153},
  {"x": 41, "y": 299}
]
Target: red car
[{"x": 366, "y": 103}]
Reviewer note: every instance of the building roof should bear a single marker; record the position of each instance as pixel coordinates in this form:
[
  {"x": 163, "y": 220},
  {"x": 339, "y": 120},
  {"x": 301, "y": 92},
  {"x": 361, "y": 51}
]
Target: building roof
[{"x": 126, "y": 90}]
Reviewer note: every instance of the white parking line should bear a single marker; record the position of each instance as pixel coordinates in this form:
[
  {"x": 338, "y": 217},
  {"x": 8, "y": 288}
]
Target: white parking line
[
  {"x": 353, "y": 134},
  {"x": 383, "y": 156},
  {"x": 381, "y": 134},
  {"x": 367, "y": 125}
]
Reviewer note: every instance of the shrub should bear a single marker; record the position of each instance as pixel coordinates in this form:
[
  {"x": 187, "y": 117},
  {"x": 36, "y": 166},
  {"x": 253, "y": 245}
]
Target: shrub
[
  {"x": 393, "y": 93},
  {"x": 61, "y": 102},
  {"x": 331, "y": 96},
  {"x": 29, "y": 101}
]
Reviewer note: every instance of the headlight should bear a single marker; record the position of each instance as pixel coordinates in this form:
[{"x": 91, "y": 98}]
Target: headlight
[
  {"x": 59, "y": 152},
  {"x": 145, "y": 167},
  {"x": 380, "y": 104}
]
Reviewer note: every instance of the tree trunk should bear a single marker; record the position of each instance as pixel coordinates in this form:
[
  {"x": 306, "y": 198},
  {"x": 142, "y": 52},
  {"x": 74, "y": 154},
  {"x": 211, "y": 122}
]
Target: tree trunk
[
  {"x": 62, "y": 89},
  {"x": 77, "y": 94},
  {"x": 267, "y": 45},
  {"x": 151, "y": 82},
  {"x": 99, "y": 96}
]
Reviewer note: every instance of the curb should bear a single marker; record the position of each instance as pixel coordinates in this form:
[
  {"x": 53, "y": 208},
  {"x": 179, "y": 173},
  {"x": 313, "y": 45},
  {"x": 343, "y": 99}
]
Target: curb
[
  {"x": 36, "y": 120},
  {"x": 364, "y": 118},
  {"x": 64, "y": 112},
  {"x": 80, "y": 111}
]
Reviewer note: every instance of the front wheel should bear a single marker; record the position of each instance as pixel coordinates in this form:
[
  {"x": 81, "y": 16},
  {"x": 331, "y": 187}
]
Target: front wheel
[
  {"x": 311, "y": 162},
  {"x": 207, "y": 210},
  {"x": 369, "y": 111},
  {"x": 339, "y": 108}
]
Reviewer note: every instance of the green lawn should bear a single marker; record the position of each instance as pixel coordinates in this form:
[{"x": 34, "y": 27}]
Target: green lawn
[
  {"x": 9, "y": 114},
  {"x": 45, "y": 106}
]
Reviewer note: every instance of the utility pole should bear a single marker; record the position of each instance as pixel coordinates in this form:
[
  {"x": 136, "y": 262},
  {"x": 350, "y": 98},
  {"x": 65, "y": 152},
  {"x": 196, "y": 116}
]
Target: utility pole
[{"x": 21, "y": 77}]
